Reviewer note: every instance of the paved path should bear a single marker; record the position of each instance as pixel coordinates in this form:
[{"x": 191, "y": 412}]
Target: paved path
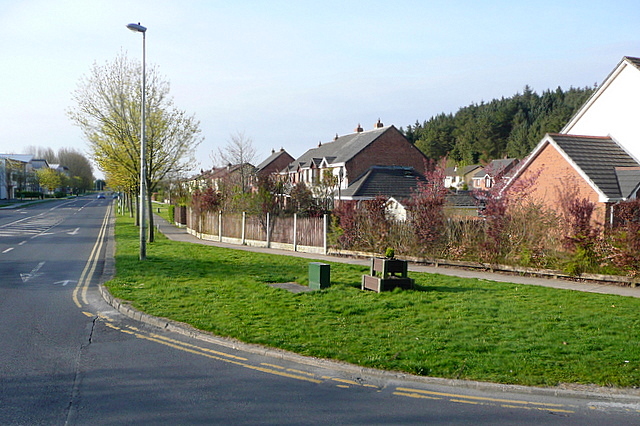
[{"x": 180, "y": 234}]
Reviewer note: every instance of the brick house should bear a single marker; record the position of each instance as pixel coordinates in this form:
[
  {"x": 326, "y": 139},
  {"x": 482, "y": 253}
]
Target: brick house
[
  {"x": 348, "y": 157},
  {"x": 278, "y": 160},
  {"x": 596, "y": 167},
  {"x": 598, "y": 149}
]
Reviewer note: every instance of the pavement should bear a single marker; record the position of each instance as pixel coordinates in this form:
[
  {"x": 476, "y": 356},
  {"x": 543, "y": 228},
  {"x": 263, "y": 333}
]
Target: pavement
[{"x": 180, "y": 234}]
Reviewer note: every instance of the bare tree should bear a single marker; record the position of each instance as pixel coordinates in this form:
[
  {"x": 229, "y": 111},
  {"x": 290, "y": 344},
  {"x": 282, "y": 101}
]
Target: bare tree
[{"x": 239, "y": 152}]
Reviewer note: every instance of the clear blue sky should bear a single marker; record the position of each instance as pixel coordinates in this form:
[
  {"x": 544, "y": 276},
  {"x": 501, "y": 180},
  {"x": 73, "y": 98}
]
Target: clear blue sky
[{"x": 292, "y": 73}]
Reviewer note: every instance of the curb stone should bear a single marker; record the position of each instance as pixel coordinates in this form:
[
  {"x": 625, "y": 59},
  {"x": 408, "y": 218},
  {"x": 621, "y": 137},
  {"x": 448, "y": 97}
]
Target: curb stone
[{"x": 380, "y": 377}]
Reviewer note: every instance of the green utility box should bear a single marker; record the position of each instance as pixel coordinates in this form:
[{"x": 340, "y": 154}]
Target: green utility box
[{"x": 319, "y": 275}]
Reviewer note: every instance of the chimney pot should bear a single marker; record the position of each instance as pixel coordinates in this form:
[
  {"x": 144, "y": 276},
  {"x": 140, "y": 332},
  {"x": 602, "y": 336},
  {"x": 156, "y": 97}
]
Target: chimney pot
[{"x": 378, "y": 125}]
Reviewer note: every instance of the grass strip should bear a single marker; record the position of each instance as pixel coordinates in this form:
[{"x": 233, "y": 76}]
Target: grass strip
[{"x": 447, "y": 327}]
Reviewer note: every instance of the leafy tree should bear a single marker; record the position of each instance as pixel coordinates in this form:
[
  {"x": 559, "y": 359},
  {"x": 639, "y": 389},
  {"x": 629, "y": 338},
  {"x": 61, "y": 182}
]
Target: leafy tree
[
  {"x": 108, "y": 107},
  {"x": 49, "y": 179}
]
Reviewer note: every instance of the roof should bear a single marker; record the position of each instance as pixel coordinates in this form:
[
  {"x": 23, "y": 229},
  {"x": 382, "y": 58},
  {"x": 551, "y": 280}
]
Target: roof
[
  {"x": 461, "y": 171},
  {"x": 628, "y": 179},
  {"x": 497, "y": 167},
  {"x": 25, "y": 158},
  {"x": 273, "y": 157},
  {"x": 634, "y": 61},
  {"x": 340, "y": 150},
  {"x": 598, "y": 158},
  {"x": 626, "y": 60},
  {"x": 221, "y": 172},
  {"x": 388, "y": 181}
]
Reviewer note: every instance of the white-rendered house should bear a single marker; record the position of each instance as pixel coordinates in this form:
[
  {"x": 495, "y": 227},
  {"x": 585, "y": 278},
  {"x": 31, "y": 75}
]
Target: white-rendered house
[{"x": 613, "y": 110}]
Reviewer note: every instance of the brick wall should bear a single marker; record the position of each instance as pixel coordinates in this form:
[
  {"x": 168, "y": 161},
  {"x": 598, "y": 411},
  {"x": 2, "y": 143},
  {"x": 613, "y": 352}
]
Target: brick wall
[
  {"x": 390, "y": 149},
  {"x": 556, "y": 175}
]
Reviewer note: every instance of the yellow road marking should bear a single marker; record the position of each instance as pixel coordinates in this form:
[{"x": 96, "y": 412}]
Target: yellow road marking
[
  {"x": 231, "y": 361},
  {"x": 415, "y": 395},
  {"x": 90, "y": 267},
  {"x": 479, "y": 400},
  {"x": 178, "y": 342}
]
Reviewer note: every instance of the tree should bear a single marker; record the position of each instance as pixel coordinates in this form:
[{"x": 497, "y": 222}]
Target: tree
[
  {"x": 108, "y": 106},
  {"x": 239, "y": 151},
  {"x": 49, "y": 179},
  {"x": 80, "y": 168}
]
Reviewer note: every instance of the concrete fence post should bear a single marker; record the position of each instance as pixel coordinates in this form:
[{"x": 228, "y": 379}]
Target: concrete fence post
[
  {"x": 244, "y": 219},
  {"x": 295, "y": 232}
]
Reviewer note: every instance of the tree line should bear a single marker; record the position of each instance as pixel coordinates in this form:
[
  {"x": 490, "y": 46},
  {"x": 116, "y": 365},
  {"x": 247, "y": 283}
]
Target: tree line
[{"x": 507, "y": 127}]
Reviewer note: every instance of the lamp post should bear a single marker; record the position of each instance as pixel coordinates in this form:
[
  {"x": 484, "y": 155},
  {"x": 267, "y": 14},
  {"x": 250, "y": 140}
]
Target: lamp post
[{"x": 143, "y": 148}]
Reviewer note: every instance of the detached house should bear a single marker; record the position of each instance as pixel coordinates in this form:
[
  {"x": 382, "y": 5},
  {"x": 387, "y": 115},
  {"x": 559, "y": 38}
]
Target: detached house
[
  {"x": 349, "y": 157},
  {"x": 596, "y": 153},
  {"x": 495, "y": 171}
]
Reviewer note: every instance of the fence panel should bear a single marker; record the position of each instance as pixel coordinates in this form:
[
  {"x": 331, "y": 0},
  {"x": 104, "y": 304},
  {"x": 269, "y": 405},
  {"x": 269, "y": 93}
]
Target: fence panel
[
  {"x": 310, "y": 231},
  {"x": 282, "y": 229},
  {"x": 232, "y": 225},
  {"x": 254, "y": 229}
]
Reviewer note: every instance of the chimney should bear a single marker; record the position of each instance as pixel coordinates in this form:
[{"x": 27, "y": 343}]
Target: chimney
[
  {"x": 359, "y": 128},
  {"x": 273, "y": 151},
  {"x": 378, "y": 125},
  {"x": 336, "y": 137},
  {"x": 319, "y": 144}
]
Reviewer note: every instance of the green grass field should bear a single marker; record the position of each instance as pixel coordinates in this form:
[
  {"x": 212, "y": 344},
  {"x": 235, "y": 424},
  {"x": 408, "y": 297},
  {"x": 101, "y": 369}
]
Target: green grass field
[{"x": 447, "y": 327}]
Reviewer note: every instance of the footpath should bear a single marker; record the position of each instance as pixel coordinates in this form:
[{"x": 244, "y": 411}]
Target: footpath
[{"x": 180, "y": 234}]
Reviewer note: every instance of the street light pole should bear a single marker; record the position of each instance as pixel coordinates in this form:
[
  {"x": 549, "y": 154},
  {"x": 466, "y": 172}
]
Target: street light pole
[{"x": 143, "y": 147}]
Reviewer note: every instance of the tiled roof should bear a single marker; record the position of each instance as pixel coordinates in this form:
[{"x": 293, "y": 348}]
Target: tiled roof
[
  {"x": 388, "y": 181},
  {"x": 274, "y": 155},
  {"x": 598, "y": 158},
  {"x": 340, "y": 150},
  {"x": 496, "y": 167},
  {"x": 451, "y": 171},
  {"x": 634, "y": 61},
  {"x": 628, "y": 179}
]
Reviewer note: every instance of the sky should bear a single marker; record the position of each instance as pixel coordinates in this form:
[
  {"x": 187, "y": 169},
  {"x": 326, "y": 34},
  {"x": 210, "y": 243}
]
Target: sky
[{"x": 290, "y": 74}]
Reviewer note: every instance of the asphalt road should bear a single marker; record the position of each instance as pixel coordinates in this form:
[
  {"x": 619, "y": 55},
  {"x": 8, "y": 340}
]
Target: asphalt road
[{"x": 68, "y": 357}]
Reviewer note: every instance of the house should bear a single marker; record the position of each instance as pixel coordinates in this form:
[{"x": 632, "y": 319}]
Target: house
[
  {"x": 597, "y": 151},
  {"x": 277, "y": 161},
  {"x": 241, "y": 176},
  {"x": 613, "y": 109},
  {"x": 347, "y": 158},
  {"x": 597, "y": 168},
  {"x": 396, "y": 183},
  {"x": 494, "y": 172},
  {"x": 460, "y": 176}
]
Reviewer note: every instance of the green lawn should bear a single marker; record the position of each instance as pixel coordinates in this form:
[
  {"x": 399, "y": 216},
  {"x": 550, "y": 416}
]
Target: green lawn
[{"x": 446, "y": 327}]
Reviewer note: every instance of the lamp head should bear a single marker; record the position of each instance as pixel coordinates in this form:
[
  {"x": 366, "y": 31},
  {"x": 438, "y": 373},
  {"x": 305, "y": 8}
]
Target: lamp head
[{"x": 137, "y": 28}]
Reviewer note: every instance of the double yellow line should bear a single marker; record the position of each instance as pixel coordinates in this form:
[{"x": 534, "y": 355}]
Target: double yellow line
[
  {"x": 481, "y": 400},
  {"x": 92, "y": 262}
]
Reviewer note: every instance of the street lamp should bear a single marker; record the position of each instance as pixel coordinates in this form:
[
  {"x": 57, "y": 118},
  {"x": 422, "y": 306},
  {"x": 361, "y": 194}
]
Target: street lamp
[{"x": 143, "y": 148}]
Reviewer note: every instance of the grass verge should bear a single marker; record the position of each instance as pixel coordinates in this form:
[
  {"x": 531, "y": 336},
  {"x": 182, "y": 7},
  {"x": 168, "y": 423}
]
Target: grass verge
[{"x": 447, "y": 327}]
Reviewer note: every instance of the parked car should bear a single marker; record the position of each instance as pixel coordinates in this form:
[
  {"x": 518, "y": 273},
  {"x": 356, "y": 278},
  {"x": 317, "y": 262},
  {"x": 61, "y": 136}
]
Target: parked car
[{"x": 100, "y": 196}]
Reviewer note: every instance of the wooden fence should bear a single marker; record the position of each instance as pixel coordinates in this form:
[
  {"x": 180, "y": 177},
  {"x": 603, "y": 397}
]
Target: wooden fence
[{"x": 295, "y": 233}]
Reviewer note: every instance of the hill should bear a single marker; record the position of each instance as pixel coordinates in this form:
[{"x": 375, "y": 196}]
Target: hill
[{"x": 507, "y": 127}]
